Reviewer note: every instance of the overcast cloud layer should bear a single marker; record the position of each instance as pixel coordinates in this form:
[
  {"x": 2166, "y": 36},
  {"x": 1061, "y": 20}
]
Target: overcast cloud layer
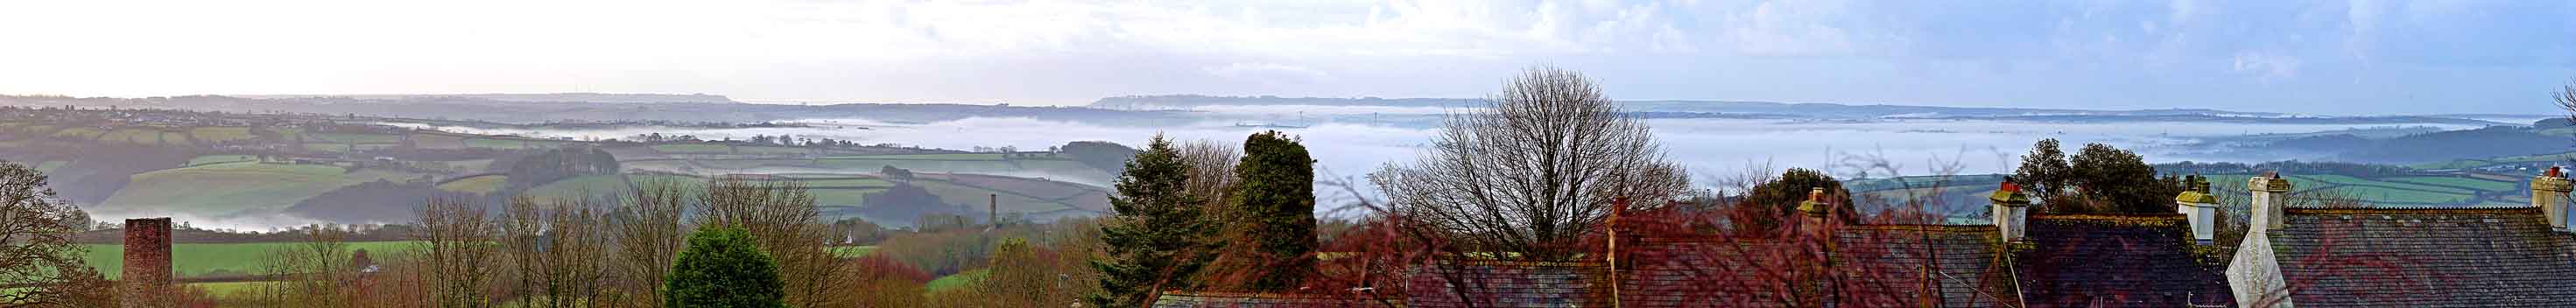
[{"x": 2325, "y": 57}]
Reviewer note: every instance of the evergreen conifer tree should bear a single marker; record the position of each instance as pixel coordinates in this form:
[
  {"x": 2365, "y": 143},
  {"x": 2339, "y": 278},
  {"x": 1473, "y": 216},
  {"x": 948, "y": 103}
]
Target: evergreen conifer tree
[
  {"x": 1157, "y": 236},
  {"x": 1274, "y": 196}
]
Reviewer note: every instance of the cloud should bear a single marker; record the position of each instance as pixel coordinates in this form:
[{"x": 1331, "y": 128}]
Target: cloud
[
  {"x": 2267, "y": 66},
  {"x": 1267, "y": 72}
]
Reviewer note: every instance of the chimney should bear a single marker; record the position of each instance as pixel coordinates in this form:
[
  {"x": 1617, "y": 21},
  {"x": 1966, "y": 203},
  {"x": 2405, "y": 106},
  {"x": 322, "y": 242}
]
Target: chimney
[
  {"x": 2010, "y": 210},
  {"x": 993, "y": 209},
  {"x": 2199, "y": 208},
  {"x": 2269, "y": 191},
  {"x": 2549, "y": 192},
  {"x": 1815, "y": 210},
  {"x": 147, "y": 263}
]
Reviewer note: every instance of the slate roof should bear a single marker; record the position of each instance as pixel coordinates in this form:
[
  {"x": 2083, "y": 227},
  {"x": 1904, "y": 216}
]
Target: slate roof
[
  {"x": 1177, "y": 299},
  {"x": 1660, "y": 272},
  {"x": 1505, "y": 284},
  {"x": 2125, "y": 260},
  {"x": 2489, "y": 257},
  {"x": 1907, "y": 265},
  {"x": 1872, "y": 266}
]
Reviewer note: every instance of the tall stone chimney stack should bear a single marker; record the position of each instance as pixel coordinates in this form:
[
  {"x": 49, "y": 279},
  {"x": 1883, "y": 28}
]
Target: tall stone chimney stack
[
  {"x": 2270, "y": 190},
  {"x": 2199, "y": 209},
  {"x": 1814, "y": 214},
  {"x": 2011, "y": 208},
  {"x": 147, "y": 263},
  {"x": 2549, "y": 192}
]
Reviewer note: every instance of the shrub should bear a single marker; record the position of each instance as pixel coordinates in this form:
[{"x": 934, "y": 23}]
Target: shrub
[{"x": 722, "y": 267}]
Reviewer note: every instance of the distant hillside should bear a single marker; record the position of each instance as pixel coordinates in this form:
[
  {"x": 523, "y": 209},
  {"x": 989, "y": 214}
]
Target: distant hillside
[
  {"x": 610, "y": 98},
  {"x": 1766, "y": 110}
]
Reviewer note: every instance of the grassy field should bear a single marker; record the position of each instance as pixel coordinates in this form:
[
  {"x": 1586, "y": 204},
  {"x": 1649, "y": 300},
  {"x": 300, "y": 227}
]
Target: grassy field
[
  {"x": 853, "y": 251},
  {"x": 598, "y": 185},
  {"x": 221, "y": 134},
  {"x": 218, "y": 159},
  {"x": 959, "y": 280},
  {"x": 228, "y": 188},
  {"x": 233, "y": 289},
  {"x": 195, "y": 260},
  {"x": 356, "y": 138},
  {"x": 707, "y": 148},
  {"x": 845, "y": 197},
  {"x": 50, "y": 165},
  {"x": 481, "y": 184},
  {"x": 943, "y": 156},
  {"x": 2475, "y": 183}
]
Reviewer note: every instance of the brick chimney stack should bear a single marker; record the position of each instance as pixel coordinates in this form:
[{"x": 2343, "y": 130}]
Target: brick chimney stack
[
  {"x": 2199, "y": 209},
  {"x": 2549, "y": 192},
  {"x": 1814, "y": 212},
  {"x": 2011, "y": 208},
  {"x": 147, "y": 263},
  {"x": 2270, "y": 190}
]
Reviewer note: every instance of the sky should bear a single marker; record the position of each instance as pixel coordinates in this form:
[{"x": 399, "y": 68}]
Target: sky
[{"x": 2316, "y": 57}]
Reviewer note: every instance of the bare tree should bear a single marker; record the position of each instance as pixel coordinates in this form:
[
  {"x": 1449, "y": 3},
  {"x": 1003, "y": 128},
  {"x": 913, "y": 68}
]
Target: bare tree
[
  {"x": 2567, "y": 99},
  {"x": 782, "y": 217},
  {"x": 316, "y": 272},
  {"x": 1211, "y": 172},
  {"x": 648, "y": 237},
  {"x": 1534, "y": 170},
  {"x": 38, "y": 243},
  {"x": 457, "y": 249}
]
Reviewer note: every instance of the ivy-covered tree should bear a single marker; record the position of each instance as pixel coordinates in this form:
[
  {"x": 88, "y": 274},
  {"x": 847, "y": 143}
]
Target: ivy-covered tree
[
  {"x": 1157, "y": 236},
  {"x": 1771, "y": 201},
  {"x": 723, "y": 267},
  {"x": 2117, "y": 181},
  {"x": 2043, "y": 172},
  {"x": 1273, "y": 238}
]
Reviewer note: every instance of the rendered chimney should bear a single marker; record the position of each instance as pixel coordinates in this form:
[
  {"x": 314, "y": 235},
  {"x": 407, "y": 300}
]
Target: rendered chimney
[
  {"x": 1815, "y": 210},
  {"x": 2198, "y": 208},
  {"x": 2011, "y": 208},
  {"x": 147, "y": 263},
  {"x": 2269, "y": 191},
  {"x": 2549, "y": 192}
]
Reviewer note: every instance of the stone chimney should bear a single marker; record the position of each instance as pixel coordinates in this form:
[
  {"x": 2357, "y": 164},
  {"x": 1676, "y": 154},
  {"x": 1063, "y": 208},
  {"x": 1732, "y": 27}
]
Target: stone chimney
[
  {"x": 1814, "y": 212},
  {"x": 2270, "y": 190},
  {"x": 2549, "y": 192},
  {"x": 2198, "y": 208},
  {"x": 2011, "y": 209},
  {"x": 147, "y": 263}
]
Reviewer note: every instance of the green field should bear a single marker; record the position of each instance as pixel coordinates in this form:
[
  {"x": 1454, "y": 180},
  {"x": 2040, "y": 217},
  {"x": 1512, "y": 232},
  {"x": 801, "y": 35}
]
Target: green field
[
  {"x": 221, "y": 134},
  {"x": 959, "y": 280},
  {"x": 708, "y": 148},
  {"x": 847, "y": 197},
  {"x": 218, "y": 159},
  {"x": 50, "y": 165},
  {"x": 2474, "y": 183},
  {"x": 853, "y": 251},
  {"x": 598, "y": 186},
  {"x": 198, "y": 260},
  {"x": 233, "y": 289},
  {"x": 221, "y": 189},
  {"x": 481, "y": 184},
  {"x": 846, "y": 183},
  {"x": 944, "y": 156},
  {"x": 349, "y": 138}
]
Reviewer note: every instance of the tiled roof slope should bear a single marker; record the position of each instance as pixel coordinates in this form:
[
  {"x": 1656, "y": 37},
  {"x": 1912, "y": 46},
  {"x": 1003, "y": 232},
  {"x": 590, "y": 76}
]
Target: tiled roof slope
[
  {"x": 2129, "y": 260},
  {"x": 1895, "y": 265},
  {"x": 1704, "y": 273},
  {"x": 1872, "y": 266},
  {"x": 2424, "y": 258},
  {"x": 1505, "y": 284},
  {"x": 1259, "y": 300}
]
